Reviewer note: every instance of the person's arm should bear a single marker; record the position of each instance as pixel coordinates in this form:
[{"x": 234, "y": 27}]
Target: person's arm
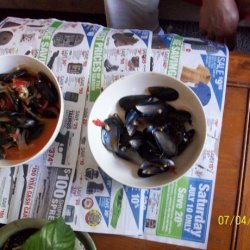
[{"x": 219, "y": 20}]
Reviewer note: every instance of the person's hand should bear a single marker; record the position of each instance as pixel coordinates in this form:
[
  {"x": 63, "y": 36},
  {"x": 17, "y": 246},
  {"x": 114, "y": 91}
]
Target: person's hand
[{"x": 219, "y": 20}]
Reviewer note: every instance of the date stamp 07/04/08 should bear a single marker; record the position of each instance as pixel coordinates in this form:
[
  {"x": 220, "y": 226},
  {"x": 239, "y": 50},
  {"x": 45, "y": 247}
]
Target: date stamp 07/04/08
[{"x": 230, "y": 220}]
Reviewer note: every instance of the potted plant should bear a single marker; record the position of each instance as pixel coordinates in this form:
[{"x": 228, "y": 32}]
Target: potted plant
[{"x": 39, "y": 234}]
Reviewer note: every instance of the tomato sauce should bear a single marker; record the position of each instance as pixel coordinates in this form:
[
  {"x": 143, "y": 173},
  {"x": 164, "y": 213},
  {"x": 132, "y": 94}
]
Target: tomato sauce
[{"x": 35, "y": 145}]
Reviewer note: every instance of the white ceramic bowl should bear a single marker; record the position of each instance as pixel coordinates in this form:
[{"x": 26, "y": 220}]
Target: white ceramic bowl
[
  {"x": 7, "y": 64},
  {"x": 106, "y": 104}
]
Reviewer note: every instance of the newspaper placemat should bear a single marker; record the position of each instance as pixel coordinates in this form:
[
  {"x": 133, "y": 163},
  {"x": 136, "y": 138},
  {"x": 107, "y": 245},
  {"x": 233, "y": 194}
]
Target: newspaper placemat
[{"x": 66, "y": 180}]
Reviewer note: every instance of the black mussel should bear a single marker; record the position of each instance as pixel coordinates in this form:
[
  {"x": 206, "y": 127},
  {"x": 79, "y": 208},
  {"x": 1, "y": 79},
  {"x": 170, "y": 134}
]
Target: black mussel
[
  {"x": 118, "y": 119},
  {"x": 36, "y": 106},
  {"x": 147, "y": 121},
  {"x": 46, "y": 88},
  {"x": 137, "y": 140},
  {"x": 129, "y": 102},
  {"x": 165, "y": 143},
  {"x": 33, "y": 132},
  {"x": 111, "y": 132},
  {"x": 129, "y": 154},
  {"x": 127, "y": 140},
  {"x": 149, "y": 151},
  {"x": 176, "y": 130},
  {"x": 131, "y": 121},
  {"x": 154, "y": 167},
  {"x": 164, "y": 93},
  {"x": 131, "y": 128},
  {"x": 131, "y": 116},
  {"x": 124, "y": 138},
  {"x": 156, "y": 108},
  {"x": 149, "y": 136},
  {"x": 7, "y": 77},
  {"x": 181, "y": 116},
  {"x": 187, "y": 139}
]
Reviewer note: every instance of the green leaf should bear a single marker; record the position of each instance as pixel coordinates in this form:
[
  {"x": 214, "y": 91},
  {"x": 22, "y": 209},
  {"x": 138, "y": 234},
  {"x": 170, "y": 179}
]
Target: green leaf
[{"x": 55, "y": 235}]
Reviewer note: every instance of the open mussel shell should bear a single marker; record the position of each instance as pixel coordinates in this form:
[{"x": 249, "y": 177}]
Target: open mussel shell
[
  {"x": 154, "y": 167},
  {"x": 164, "y": 93}
]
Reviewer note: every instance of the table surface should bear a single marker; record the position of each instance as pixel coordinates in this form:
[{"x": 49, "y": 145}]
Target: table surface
[{"x": 232, "y": 190}]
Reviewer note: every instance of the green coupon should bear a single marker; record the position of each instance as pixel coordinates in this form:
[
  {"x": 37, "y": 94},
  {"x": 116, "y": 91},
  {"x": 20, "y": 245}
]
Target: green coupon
[
  {"x": 174, "y": 56},
  {"x": 172, "y": 209},
  {"x": 96, "y": 67}
]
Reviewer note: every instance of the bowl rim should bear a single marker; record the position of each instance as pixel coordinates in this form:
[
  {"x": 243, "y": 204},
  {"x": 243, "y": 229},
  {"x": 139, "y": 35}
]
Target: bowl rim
[
  {"x": 119, "y": 82},
  {"x": 52, "y": 77}
]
